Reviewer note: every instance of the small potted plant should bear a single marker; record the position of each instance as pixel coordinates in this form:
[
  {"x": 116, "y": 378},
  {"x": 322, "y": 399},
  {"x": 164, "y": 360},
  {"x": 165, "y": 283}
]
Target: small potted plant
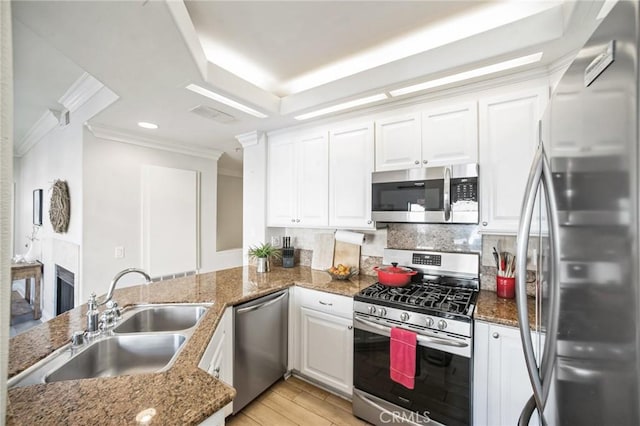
[{"x": 263, "y": 253}]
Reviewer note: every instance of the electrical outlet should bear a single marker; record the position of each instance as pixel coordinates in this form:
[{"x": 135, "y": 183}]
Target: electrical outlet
[
  {"x": 275, "y": 241},
  {"x": 119, "y": 252}
]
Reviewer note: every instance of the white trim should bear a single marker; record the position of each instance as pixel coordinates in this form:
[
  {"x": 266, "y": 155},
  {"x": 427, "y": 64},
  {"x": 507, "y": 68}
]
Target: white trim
[
  {"x": 46, "y": 123},
  {"x": 117, "y": 135},
  {"x": 230, "y": 172},
  {"x": 180, "y": 15},
  {"x": 249, "y": 138},
  {"x": 80, "y": 92}
]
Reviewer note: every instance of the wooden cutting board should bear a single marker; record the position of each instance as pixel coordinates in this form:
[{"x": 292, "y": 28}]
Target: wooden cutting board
[
  {"x": 322, "y": 258},
  {"x": 347, "y": 254}
]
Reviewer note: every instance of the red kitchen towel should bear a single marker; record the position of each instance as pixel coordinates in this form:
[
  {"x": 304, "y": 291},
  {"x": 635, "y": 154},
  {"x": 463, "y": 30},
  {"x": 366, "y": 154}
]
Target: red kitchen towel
[{"x": 403, "y": 357}]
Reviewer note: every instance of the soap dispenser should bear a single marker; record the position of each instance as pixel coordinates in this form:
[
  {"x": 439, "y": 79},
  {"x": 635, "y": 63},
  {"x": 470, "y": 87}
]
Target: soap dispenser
[{"x": 93, "y": 316}]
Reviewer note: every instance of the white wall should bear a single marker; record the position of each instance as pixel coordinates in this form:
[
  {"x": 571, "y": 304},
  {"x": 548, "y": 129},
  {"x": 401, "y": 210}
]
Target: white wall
[
  {"x": 229, "y": 213},
  {"x": 58, "y": 155},
  {"x": 254, "y": 189},
  {"x": 112, "y": 207}
]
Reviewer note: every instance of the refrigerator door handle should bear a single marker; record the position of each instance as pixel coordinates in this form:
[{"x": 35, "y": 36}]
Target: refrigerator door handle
[
  {"x": 549, "y": 351},
  {"x": 527, "y": 412},
  {"x": 526, "y": 215}
]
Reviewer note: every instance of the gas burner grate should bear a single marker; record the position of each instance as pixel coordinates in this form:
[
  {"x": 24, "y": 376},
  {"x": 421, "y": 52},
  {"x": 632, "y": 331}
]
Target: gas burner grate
[{"x": 424, "y": 295}]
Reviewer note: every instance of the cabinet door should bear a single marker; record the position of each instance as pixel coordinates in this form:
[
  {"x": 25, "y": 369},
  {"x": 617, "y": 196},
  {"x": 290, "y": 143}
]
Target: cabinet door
[
  {"x": 450, "y": 134},
  {"x": 508, "y": 139},
  {"x": 218, "y": 356},
  {"x": 313, "y": 180},
  {"x": 501, "y": 381},
  {"x": 281, "y": 181},
  {"x": 327, "y": 349},
  {"x": 398, "y": 143},
  {"x": 350, "y": 167}
]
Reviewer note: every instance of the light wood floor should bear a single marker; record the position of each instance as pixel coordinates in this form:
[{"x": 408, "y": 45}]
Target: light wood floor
[{"x": 296, "y": 402}]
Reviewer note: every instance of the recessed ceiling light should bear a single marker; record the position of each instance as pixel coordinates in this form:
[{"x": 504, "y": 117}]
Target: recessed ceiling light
[
  {"x": 477, "y": 72},
  {"x": 146, "y": 125},
  {"x": 223, "y": 99},
  {"x": 342, "y": 106}
]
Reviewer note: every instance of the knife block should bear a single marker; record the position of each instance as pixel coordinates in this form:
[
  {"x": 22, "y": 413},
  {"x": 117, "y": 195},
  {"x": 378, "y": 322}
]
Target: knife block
[{"x": 287, "y": 257}]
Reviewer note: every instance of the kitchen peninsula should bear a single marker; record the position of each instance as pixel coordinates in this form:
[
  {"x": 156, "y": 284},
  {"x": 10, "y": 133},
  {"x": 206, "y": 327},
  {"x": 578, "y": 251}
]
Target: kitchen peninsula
[{"x": 184, "y": 394}]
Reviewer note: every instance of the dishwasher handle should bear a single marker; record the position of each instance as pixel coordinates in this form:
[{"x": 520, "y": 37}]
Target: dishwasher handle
[{"x": 261, "y": 305}]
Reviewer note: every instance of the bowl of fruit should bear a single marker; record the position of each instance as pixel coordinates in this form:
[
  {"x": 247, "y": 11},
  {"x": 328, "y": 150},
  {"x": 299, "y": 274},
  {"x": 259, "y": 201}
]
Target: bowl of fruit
[{"x": 342, "y": 272}]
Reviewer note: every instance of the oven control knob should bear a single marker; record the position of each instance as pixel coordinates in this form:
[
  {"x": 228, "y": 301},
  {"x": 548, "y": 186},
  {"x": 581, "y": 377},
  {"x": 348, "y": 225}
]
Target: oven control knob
[
  {"x": 372, "y": 310},
  {"x": 442, "y": 324},
  {"x": 404, "y": 316},
  {"x": 382, "y": 312},
  {"x": 429, "y": 322}
]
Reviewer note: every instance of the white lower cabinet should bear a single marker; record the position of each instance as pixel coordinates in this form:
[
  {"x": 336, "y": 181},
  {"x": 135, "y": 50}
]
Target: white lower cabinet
[
  {"x": 501, "y": 384},
  {"x": 326, "y": 353},
  {"x": 324, "y": 328},
  {"x": 218, "y": 357}
]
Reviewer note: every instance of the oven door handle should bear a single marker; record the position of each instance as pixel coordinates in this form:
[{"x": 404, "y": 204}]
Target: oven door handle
[{"x": 421, "y": 338}]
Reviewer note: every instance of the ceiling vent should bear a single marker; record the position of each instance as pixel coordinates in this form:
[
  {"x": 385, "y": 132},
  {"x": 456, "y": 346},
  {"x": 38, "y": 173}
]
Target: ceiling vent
[{"x": 213, "y": 114}]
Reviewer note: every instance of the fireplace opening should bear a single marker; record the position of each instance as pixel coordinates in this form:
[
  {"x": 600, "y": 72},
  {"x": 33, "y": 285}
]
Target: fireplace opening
[{"x": 65, "y": 281}]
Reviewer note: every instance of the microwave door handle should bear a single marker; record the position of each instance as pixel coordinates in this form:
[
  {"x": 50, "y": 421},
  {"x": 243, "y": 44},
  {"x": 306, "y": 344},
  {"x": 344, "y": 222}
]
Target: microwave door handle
[{"x": 446, "y": 194}]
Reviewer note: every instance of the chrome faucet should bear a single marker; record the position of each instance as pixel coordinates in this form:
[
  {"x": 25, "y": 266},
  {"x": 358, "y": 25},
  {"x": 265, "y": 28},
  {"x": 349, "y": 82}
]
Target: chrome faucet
[
  {"x": 119, "y": 275},
  {"x": 112, "y": 313}
]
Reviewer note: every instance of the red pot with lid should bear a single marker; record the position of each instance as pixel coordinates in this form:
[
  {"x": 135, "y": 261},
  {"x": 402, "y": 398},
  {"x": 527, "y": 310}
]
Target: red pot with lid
[{"x": 394, "y": 275}]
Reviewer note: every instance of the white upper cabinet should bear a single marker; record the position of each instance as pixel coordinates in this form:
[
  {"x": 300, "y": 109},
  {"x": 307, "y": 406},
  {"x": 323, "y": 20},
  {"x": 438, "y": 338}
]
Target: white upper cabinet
[
  {"x": 350, "y": 167},
  {"x": 508, "y": 139},
  {"x": 281, "y": 181},
  {"x": 313, "y": 180},
  {"x": 442, "y": 134},
  {"x": 450, "y": 134},
  {"x": 297, "y": 180},
  {"x": 398, "y": 143}
]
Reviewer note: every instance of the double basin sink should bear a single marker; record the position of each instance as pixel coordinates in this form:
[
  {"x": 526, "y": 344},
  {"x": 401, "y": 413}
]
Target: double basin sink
[{"x": 147, "y": 339}]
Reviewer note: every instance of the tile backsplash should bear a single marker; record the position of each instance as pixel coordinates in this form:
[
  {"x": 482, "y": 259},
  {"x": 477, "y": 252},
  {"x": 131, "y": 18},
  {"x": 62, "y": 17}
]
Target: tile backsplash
[
  {"x": 464, "y": 238},
  {"x": 434, "y": 237}
]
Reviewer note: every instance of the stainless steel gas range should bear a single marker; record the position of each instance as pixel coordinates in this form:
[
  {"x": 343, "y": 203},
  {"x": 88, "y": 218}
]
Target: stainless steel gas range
[{"x": 438, "y": 306}]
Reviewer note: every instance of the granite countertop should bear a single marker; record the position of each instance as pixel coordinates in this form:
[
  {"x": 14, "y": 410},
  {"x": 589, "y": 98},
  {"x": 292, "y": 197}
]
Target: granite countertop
[
  {"x": 184, "y": 394},
  {"x": 491, "y": 308}
]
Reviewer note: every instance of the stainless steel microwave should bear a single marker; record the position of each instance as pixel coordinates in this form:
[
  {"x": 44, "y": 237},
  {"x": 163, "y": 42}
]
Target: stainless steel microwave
[{"x": 446, "y": 194}]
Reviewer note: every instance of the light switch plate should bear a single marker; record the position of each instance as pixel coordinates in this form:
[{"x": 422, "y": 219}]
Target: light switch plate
[{"x": 119, "y": 254}]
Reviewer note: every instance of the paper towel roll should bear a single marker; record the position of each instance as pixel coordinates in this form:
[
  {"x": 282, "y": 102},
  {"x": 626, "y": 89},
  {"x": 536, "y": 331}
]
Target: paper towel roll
[{"x": 350, "y": 237}]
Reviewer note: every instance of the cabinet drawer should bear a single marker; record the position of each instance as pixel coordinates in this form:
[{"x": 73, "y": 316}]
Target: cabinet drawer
[{"x": 325, "y": 302}]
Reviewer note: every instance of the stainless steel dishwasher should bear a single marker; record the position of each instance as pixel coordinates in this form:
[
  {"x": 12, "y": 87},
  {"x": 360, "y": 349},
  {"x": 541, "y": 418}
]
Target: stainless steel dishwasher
[{"x": 260, "y": 346}]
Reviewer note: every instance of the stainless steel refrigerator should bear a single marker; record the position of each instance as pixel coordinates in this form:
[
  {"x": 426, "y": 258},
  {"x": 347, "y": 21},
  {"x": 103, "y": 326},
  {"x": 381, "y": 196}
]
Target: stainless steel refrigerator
[{"x": 579, "y": 225}]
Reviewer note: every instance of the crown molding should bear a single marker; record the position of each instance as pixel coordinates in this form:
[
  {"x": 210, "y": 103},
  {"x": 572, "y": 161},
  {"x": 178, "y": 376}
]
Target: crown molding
[
  {"x": 117, "y": 135},
  {"x": 230, "y": 172},
  {"x": 83, "y": 89},
  {"x": 250, "y": 138},
  {"x": 46, "y": 123}
]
